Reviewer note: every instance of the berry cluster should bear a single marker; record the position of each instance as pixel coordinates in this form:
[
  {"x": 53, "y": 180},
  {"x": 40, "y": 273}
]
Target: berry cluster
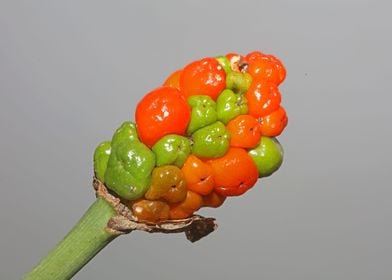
[{"x": 207, "y": 133}]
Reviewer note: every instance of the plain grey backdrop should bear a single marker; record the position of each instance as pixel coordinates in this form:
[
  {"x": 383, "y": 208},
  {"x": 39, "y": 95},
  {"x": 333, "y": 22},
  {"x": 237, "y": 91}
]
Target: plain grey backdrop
[{"x": 72, "y": 71}]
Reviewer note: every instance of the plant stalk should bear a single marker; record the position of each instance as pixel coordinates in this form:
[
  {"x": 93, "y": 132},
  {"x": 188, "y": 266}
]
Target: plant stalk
[{"x": 79, "y": 246}]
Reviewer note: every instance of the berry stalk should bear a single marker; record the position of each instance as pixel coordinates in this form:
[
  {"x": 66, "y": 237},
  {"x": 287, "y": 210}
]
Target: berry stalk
[
  {"x": 89, "y": 236},
  {"x": 106, "y": 219}
]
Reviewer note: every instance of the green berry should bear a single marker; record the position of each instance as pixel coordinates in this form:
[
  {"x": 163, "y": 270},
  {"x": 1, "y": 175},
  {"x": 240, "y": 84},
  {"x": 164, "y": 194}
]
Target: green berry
[
  {"x": 230, "y": 105},
  {"x": 238, "y": 82},
  {"x": 172, "y": 149},
  {"x": 127, "y": 131},
  {"x": 203, "y": 112},
  {"x": 225, "y": 63},
  {"x": 268, "y": 156},
  {"x": 129, "y": 169},
  {"x": 211, "y": 141},
  {"x": 101, "y": 157}
]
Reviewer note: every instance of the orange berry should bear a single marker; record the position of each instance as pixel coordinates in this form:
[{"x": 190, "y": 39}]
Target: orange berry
[
  {"x": 167, "y": 183},
  {"x": 273, "y": 124},
  {"x": 263, "y": 98},
  {"x": 174, "y": 79},
  {"x": 150, "y": 211},
  {"x": 198, "y": 175},
  {"x": 213, "y": 200},
  {"x": 244, "y": 131},
  {"x": 234, "y": 173},
  {"x": 185, "y": 209},
  {"x": 265, "y": 67}
]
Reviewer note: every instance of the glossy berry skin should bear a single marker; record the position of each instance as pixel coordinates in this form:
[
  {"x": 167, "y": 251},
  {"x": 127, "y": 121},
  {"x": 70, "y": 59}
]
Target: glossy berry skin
[
  {"x": 273, "y": 124},
  {"x": 211, "y": 141},
  {"x": 233, "y": 57},
  {"x": 225, "y": 63},
  {"x": 213, "y": 200},
  {"x": 203, "y": 112},
  {"x": 167, "y": 183},
  {"x": 101, "y": 158},
  {"x": 254, "y": 55},
  {"x": 265, "y": 67},
  {"x": 150, "y": 211},
  {"x": 128, "y": 171},
  {"x": 161, "y": 112},
  {"x": 174, "y": 79},
  {"x": 268, "y": 156},
  {"x": 244, "y": 131},
  {"x": 238, "y": 82},
  {"x": 126, "y": 132},
  {"x": 237, "y": 61},
  {"x": 234, "y": 173},
  {"x": 198, "y": 175},
  {"x": 263, "y": 98},
  {"x": 203, "y": 77},
  {"x": 186, "y": 208},
  {"x": 229, "y": 105},
  {"x": 172, "y": 150}
]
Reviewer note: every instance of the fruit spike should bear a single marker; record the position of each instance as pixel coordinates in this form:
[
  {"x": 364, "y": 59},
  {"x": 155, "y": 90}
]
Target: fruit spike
[{"x": 207, "y": 133}]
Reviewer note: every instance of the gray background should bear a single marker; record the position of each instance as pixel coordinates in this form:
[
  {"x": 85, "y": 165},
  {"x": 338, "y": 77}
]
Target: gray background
[{"x": 72, "y": 71}]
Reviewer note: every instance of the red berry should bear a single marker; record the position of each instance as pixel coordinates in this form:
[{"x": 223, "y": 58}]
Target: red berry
[
  {"x": 203, "y": 77},
  {"x": 161, "y": 112}
]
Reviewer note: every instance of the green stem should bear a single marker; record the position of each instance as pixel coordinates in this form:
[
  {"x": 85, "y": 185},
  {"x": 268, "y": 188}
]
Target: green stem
[{"x": 79, "y": 246}]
